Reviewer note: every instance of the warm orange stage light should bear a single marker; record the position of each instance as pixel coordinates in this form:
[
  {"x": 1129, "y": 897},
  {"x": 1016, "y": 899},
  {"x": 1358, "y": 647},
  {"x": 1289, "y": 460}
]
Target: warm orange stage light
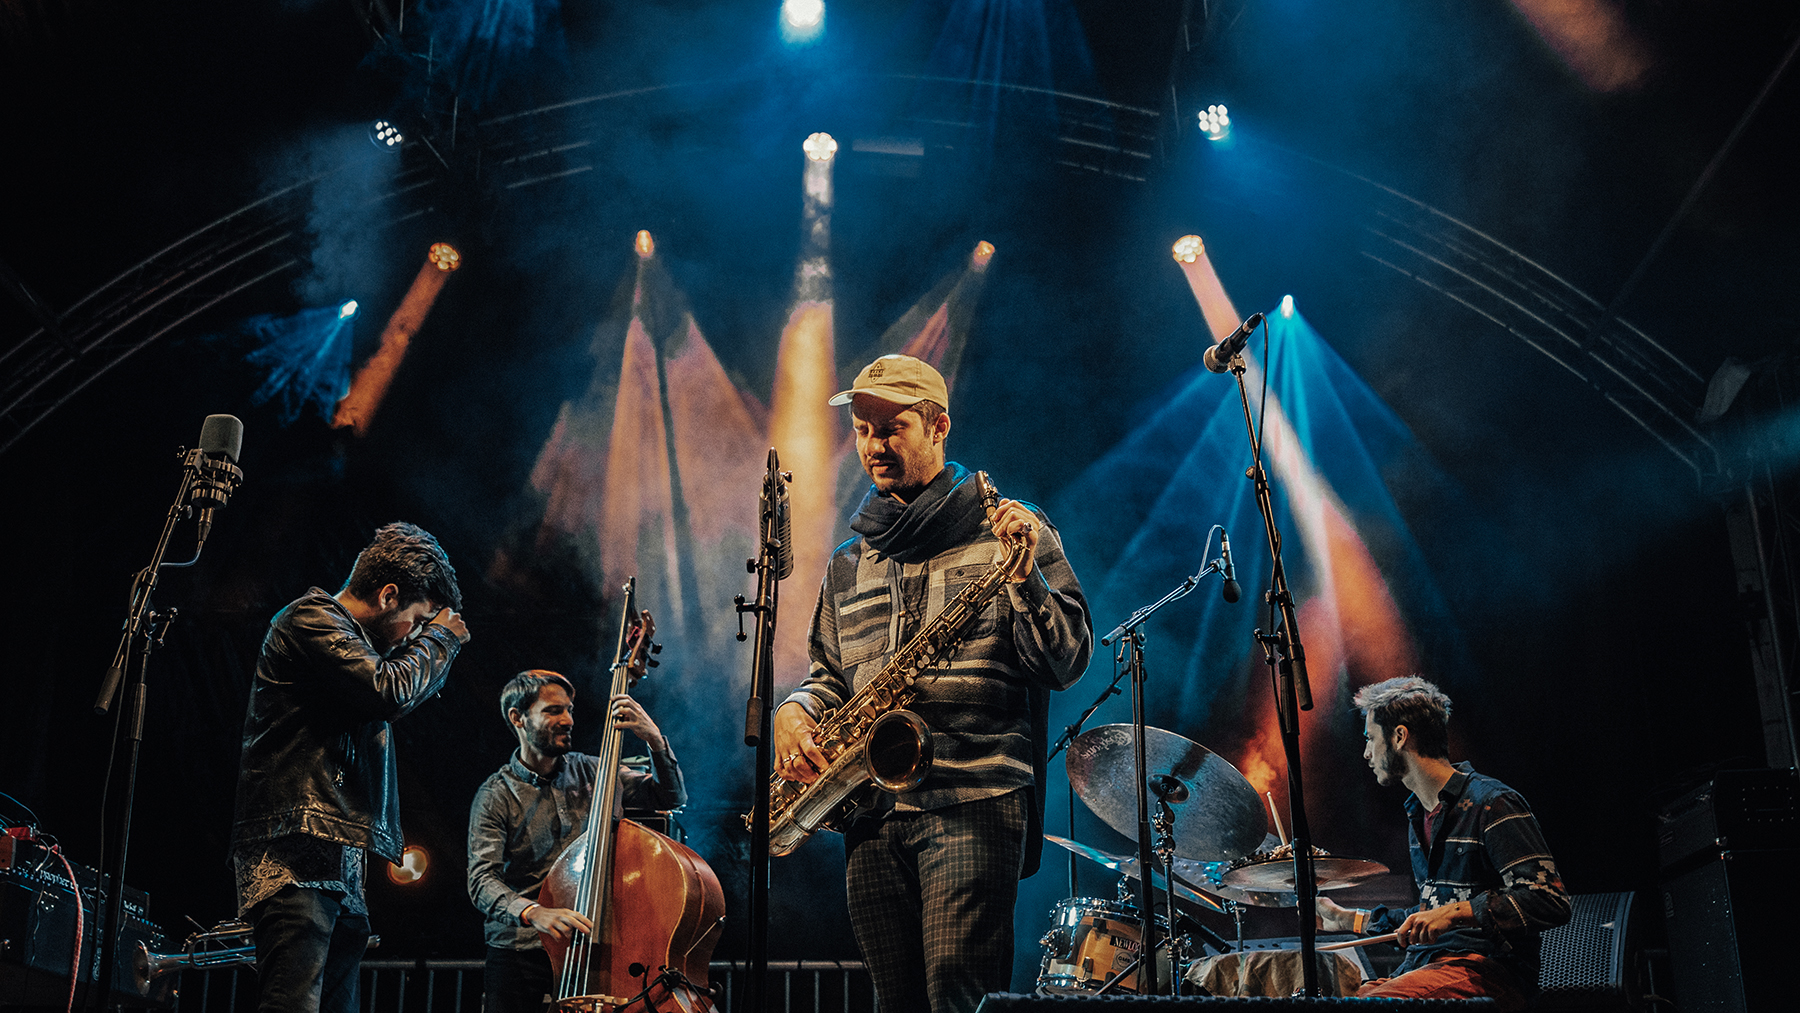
[
  {"x": 413, "y": 863},
  {"x": 357, "y": 409},
  {"x": 984, "y": 252},
  {"x": 445, "y": 257},
  {"x": 646, "y": 246}
]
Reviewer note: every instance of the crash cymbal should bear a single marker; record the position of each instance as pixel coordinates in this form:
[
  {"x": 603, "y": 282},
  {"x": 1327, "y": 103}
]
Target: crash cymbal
[
  {"x": 1272, "y": 875},
  {"x": 1129, "y": 867},
  {"x": 1218, "y": 816}
]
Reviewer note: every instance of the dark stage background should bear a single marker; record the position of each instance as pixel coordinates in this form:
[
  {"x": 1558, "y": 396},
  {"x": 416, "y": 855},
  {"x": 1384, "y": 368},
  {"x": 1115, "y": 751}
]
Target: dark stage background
[{"x": 1585, "y": 617}]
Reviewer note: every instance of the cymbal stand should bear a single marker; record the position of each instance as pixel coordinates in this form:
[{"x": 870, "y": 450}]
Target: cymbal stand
[
  {"x": 1164, "y": 821},
  {"x": 1286, "y": 659}
]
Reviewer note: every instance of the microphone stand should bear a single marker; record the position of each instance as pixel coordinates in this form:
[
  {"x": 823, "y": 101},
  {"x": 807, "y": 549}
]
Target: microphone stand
[
  {"x": 1068, "y": 736},
  {"x": 1131, "y": 631},
  {"x": 759, "y": 716},
  {"x": 141, "y": 635},
  {"x": 1286, "y": 659}
]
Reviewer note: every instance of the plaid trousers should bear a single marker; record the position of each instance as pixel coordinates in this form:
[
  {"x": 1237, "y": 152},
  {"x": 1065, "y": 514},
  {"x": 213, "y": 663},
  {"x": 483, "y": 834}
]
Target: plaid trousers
[{"x": 931, "y": 898}]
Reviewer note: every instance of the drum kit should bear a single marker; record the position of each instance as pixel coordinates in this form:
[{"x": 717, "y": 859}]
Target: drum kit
[{"x": 1218, "y": 858}]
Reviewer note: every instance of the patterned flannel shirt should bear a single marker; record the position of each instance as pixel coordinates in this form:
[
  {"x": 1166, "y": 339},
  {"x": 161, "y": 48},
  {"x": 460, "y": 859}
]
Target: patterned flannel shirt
[
  {"x": 1488, "y": 851},
  {"x": 520, "y": 822},
  {"x": 1031, "y": 637}
]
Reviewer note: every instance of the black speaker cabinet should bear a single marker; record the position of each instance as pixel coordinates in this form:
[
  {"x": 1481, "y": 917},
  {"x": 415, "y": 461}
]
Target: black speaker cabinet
[
  {"x": 1732, "y": 931},
  {"x": 1590, "y": 963},
  {"x": 1007, "y": 1002}
]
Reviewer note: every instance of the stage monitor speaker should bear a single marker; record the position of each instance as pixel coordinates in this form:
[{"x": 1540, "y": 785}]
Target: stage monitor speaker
[
  {"x": 1007, "y": 1002},
  {"x": 1590, "y": 963},
  {"x": 1732, "y": 931}
]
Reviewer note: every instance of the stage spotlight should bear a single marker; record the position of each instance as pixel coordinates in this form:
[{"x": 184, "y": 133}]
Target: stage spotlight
[
  {"x": 801, "y": 20},
  {"x": 646, "y": 246},
  {"x": 1215, "y": 123},
  {"x": 820, "y": 147},
  {"x": 347, "y": 310},
  {"x": 1188, "y": 249},
  {"x": 984, "y": 252},
  {"x": 1287, "y": 305},
  {"x": 445, "y": 257},
  {"x": 386, "y": 136},
  {"x": 413, "y": 863}
]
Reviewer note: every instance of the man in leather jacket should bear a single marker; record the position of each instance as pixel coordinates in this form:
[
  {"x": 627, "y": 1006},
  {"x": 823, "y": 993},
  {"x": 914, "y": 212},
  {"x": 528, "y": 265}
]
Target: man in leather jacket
[{"x": 317, "y": 790}]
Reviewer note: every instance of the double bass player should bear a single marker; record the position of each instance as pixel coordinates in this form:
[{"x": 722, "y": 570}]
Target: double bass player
[{"x": 529, "y": 811}]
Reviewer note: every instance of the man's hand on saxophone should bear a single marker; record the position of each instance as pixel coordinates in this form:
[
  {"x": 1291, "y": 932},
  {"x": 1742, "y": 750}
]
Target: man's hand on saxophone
[
  {"x": 797, "y": 757},
  {"x": 1012, "y": 522}
]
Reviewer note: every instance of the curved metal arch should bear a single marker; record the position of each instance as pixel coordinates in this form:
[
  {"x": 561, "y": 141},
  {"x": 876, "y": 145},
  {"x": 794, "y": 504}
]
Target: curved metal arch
[
  {"x": 267, "y": 237},
  {"x": 1632, "y": 371},
  {"x": 264, "y": 239}
]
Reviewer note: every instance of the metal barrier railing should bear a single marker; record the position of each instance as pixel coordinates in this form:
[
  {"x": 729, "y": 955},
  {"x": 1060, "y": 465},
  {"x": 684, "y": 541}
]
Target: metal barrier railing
[{"x": 454, "y": 986}]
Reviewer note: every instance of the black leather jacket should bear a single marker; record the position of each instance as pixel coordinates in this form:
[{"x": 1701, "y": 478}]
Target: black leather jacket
[{"x": 318, "y": 752}]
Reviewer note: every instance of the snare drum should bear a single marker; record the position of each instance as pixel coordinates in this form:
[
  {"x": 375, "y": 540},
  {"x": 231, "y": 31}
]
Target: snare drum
[{"x": 1089, "y": 942}]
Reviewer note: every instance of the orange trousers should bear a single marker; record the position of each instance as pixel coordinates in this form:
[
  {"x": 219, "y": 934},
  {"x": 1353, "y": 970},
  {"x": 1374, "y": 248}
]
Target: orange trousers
[{"x": 1454, "y": 976}]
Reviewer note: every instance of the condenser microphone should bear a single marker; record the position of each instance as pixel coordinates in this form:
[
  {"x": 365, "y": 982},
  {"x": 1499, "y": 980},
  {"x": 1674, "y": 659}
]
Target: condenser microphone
[
  {"x": 1230, "y": 588},
  {"x": 216, "y": 473},
  {"x": 1218, "y": 357},
  {"x": 778, "y": 520}
]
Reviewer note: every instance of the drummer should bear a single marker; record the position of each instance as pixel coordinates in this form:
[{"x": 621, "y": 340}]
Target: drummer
[{"x": 1481, "y": 903}]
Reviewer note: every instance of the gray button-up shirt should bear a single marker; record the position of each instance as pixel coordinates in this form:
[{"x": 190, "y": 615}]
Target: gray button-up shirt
[{"x": 520, "y": 822}]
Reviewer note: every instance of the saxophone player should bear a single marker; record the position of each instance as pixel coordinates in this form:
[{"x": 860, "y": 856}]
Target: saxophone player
[{"x": 932, "y": 874}]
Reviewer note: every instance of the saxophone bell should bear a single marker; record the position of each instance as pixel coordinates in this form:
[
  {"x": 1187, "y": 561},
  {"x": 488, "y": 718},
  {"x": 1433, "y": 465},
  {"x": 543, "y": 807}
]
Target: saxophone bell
[{"x": 898, "y": 754}]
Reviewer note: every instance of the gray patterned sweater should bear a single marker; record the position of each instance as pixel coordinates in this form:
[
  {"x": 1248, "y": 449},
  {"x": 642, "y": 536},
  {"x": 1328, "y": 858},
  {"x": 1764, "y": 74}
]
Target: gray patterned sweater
[{"x": 988, "y": 706}]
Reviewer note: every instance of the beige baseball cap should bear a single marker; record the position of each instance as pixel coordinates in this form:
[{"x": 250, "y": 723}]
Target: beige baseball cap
[{"x": 900, "y": 379}]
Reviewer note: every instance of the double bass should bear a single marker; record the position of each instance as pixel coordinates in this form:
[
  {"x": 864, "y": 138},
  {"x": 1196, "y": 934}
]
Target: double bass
[{"x": 656, "y": 906}]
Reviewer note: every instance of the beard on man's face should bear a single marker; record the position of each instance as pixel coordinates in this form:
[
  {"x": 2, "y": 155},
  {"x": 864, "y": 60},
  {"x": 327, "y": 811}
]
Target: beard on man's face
[{"x": 551, "y": 740}]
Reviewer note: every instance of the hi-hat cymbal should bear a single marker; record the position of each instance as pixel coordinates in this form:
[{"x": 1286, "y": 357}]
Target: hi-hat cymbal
[
  {"x": 1271, "y": 875},
  {"x": 1218, "y": 816},
  {"x": 1129, "y": 867}
]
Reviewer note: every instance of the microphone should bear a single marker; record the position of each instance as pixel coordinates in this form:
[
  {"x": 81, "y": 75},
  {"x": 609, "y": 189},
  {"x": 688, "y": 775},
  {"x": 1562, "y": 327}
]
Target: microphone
[
  {"x": 778, "y": 521},
  {"x": 1218, "y": 357},
  {"x": 1230, "y": 588},
  {"x": 216, "y": 473}
]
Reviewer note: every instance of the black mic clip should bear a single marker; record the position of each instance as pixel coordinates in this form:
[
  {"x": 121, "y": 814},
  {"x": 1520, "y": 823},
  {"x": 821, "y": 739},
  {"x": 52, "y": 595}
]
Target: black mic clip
[{"x": 215, "y": 479}]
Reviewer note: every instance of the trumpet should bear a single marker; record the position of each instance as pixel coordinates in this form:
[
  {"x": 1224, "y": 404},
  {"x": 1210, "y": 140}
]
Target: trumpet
[{"x": 197, "y": 951}]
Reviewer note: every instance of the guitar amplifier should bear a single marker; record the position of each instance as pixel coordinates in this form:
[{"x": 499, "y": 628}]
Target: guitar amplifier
[{"x": 37, "y": 932}]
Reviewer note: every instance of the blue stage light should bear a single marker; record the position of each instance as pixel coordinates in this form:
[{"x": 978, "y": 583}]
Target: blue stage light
[
  {"x": 347, "y": 310},
  {"x": 1287, "y": 305},
  {"x": 802, "y": 20},
  {"x": 1215, "y": 122},
  {"x": 386, "y": 136}
]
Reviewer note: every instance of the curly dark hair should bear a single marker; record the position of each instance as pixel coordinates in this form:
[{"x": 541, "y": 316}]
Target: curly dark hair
[
  {"x": 408, "y": 557},
  {"x": 1411, "y": 701},
  {"x": 522, "y": 690}
]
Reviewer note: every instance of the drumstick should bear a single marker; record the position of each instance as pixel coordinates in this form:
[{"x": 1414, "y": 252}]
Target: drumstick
[
  {"x": 1350, "y": 944},
  {"x": 1279, "y": 831}
]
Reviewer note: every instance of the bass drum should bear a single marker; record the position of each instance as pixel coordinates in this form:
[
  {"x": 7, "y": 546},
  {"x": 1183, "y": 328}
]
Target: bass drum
[{"x": 1090, "y": 941}]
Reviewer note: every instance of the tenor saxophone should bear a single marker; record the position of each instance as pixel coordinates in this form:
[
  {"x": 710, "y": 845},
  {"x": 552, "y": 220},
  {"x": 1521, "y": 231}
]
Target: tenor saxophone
[{"x": 873, "y": 739}]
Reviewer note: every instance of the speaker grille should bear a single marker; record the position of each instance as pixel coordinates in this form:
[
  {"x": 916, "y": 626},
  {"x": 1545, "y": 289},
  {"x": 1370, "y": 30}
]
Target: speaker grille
[{"x": 1585, "y": 958}]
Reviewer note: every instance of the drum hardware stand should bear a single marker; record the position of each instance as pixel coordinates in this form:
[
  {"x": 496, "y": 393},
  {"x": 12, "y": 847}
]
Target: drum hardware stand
[
  {"x": 759, "y": 716},
  {"x": 1068, "y": 736},
  {"x": 1286, "y": 659},
  {"x": 1164, "y": 821},
  {"x": 1131, "y": 633}
]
